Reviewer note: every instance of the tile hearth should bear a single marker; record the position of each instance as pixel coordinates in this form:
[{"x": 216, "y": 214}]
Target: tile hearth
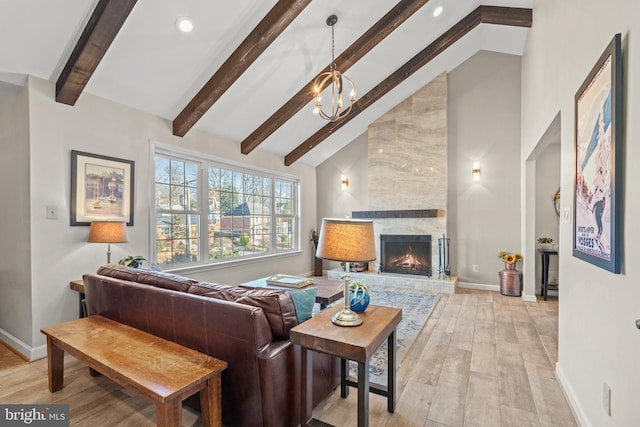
[{"x": 406, "y": 282}]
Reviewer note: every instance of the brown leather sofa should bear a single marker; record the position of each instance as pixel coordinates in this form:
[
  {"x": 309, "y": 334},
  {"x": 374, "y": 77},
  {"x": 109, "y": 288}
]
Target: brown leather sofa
[{"x": 247, "y": 328}]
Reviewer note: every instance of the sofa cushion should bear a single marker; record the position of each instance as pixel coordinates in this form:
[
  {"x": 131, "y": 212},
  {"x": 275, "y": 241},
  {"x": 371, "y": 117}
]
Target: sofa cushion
[
  {"x": 304, "y": 300},
  {"x": 117, "y": 271},
  {"x": 276, "y": 304},
  {"x": 165, "y": 280}
]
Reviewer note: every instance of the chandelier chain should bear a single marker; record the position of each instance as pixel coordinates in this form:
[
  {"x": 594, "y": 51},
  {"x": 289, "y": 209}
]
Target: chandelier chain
[{"x": 333, "y": 50}]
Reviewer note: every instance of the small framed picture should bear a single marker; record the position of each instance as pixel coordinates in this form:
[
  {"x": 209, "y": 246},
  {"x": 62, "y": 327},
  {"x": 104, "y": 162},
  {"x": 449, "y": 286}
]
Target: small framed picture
[
  {"x": 597, "y": 177},
  {"x": 101, "y": 189}
]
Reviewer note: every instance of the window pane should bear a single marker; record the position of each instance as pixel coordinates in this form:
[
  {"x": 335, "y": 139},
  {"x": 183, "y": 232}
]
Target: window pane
[
  {"x": 162, "y": 170},
  {"x": 177, "y": 172},
  {"x": 284, "y": 234},
  {"x": 163, "y": 200}
]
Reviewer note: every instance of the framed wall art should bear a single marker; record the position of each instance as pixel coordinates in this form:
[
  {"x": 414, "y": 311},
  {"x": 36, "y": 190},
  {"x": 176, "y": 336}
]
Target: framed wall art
[
  {"x": 101, "y": 189},
  {"x": 597, "y": 169}
]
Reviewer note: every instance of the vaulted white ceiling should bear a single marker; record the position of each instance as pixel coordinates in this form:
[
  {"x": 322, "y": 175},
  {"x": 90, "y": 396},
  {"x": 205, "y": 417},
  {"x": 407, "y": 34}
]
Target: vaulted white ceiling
[{"x": 152, "y": 67}]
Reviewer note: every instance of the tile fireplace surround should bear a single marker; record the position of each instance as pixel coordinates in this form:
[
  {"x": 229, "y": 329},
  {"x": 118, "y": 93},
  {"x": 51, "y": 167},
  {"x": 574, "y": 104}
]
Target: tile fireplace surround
[{"x": 404, "y": 282}]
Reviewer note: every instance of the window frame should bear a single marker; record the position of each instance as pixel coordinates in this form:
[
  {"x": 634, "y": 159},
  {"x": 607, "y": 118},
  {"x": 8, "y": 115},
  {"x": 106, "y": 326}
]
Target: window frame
[{"x": 204, "y": 162}]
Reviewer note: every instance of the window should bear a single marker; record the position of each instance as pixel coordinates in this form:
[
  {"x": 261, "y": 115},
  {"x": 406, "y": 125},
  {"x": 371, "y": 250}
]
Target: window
[{"x": 208, "y": 212}]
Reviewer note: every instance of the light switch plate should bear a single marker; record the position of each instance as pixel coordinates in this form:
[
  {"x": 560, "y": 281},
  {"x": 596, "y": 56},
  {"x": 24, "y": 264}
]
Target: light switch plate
[
  {"x": 52, "y": 212},
  {"x": 566, "y": 215}
]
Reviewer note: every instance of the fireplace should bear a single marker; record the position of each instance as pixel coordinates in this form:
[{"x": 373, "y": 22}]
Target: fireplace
[{"x": 405, "y": 254}]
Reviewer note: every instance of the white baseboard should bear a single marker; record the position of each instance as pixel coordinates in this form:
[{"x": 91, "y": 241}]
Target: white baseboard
[
  {"x": 481, "y": 286},
  {"x": 31, "y": 353},
  {"x": 569, "y": 394},
  {"x": 529, "y": 298}
]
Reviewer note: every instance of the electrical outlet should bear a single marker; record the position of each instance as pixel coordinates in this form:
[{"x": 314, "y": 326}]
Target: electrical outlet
[
  {"x": 606, "y": 398},
  {"x": 476, "y": 268},
  {"x": 52, "y": 212}
]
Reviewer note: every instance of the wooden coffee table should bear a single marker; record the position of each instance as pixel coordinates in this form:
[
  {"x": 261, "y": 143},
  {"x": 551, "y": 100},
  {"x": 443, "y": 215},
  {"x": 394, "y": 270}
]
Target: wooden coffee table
[
  {"x": 329, "y": 291},
  {"x": 349, "y": 343},
  {"x": 162, "y": 371}
]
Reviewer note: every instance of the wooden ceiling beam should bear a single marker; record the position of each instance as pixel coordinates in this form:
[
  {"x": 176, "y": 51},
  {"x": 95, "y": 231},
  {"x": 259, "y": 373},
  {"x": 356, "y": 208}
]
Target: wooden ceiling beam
[
  {"x": 518, "y": 17},
  {"x": 374, "y": 35},
  {"x": 102, "y": 28},
  {"x": 271, "y": 26}
]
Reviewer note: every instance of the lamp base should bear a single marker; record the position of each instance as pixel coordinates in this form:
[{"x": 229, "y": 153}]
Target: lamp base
[{"x": 346, "y": 317}]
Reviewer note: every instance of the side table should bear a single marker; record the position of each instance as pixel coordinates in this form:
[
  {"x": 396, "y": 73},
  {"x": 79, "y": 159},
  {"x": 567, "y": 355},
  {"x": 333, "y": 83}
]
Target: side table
[
  {"x": 78, "y": 286},
  {"x": 349, "y": 343},
  {"x": 329, "y": 291},
  {"x": 544, "y": 289}
]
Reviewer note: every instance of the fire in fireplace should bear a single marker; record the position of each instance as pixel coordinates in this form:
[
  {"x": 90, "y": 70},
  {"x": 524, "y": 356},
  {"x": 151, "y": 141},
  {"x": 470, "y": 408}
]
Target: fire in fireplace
[{"x": 405, "y": 254}]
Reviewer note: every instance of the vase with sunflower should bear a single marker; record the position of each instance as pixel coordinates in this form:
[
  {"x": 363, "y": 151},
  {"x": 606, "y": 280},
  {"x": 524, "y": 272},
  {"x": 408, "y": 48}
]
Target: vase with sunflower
[
  {"x": 510, "y": 278},
  {"x": 509, "y": 259}
]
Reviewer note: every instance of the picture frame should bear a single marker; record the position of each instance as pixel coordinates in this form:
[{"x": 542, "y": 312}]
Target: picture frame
[
  {"x": 597, "y": 167},
  {"x": 101, "y": 189}
]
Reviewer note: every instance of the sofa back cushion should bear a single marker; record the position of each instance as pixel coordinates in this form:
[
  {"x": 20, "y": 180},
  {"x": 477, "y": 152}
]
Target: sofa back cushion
[
  {"x": 117, "y": 271},
  {"x": 145, "y": 276},
  {"x": 165, "y": 280},
  {"x": 276, "y": 304}
]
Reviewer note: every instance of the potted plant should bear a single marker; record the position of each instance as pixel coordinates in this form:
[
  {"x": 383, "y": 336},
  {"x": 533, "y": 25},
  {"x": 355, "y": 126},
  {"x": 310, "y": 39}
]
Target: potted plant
[
  {"x": 359, "y": 295},
  {"x": 132, "y": 261},
  {"x": 545, "y": 243}
]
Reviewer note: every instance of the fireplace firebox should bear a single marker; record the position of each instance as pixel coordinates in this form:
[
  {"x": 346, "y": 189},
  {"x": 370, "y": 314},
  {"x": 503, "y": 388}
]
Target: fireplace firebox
[{"x": 405, "y": 254}]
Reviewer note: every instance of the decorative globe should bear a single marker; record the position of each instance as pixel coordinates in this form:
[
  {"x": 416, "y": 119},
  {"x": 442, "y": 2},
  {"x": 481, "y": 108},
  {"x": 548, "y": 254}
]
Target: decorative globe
[{"x": 362, "y": 303}]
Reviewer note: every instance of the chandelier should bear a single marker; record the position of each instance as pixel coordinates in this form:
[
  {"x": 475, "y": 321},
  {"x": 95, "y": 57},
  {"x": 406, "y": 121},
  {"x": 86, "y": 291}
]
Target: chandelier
[{"x": 332, "y": 80}]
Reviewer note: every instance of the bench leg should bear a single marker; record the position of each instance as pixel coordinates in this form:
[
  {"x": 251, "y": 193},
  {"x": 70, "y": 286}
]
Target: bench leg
[
  {"x": 169, "y": 414},
  {"x": 210, "y": 402},
  {"x": 56, "y": 366}
]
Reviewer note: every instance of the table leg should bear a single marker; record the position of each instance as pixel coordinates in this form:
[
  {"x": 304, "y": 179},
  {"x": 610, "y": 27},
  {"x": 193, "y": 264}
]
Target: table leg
[
  {"x": 363, "y": 394},
  {"x": 545, "y": 275},
  {"x": 81, "y": 310},
  {"x": 344, "y": 373},
  {"x": 391, "y": 372},
  {"x": 210, "y": 403},
  {"x": 169, "y": 414},
  {"x": 56, "y": 366},
  {"x": 306, "y": 386}
]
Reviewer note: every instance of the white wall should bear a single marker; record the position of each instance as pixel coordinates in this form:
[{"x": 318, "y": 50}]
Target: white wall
[
  {"x": 332, "y": 200},
  {"x": 59, "y": 252},
  {"x": 484, "y": 126},
  {"x": 598, "y": 340},
  {"x": 15, "y": 290}
]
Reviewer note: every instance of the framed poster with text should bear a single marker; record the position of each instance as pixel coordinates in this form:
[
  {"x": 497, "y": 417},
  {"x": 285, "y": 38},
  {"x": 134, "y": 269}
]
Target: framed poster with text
[{"x": 597, "y": 177}]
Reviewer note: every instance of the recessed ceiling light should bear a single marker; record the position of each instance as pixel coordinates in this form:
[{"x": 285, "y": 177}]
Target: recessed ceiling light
[
  {"x": 184, "y": 24},
  {"x": 437, "y": 11}
]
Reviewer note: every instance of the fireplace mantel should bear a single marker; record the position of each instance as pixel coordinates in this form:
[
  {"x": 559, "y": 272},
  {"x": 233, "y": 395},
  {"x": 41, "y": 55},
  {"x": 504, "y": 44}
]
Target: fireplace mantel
[{"x": 404, "y": 213}]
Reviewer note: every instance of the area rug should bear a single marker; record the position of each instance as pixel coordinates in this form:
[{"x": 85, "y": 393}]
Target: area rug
[{"x": 416, "y": 309}]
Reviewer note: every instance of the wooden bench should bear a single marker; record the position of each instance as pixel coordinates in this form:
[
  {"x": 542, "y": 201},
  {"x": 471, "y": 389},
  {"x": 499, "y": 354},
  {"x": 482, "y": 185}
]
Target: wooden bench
[{"x": 162, "y": 371}]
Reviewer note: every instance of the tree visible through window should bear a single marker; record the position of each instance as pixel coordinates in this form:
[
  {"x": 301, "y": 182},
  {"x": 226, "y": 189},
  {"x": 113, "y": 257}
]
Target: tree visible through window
[{"x": 244, "y": 213}]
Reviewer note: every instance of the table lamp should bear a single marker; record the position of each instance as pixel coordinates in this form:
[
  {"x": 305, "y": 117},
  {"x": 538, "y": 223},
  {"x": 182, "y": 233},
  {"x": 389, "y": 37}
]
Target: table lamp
[
  {"x": 346, "y": 240},
  {"x": 107, "y": 232}
]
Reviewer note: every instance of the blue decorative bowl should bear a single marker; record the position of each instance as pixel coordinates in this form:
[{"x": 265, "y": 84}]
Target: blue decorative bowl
[{"x": 362, "y": 304}]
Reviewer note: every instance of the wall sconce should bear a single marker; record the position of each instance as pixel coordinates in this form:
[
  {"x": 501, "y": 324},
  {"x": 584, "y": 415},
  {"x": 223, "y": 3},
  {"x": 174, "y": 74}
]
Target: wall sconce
[
  {"x": 344, "y": 182},
  {"x": 476, "y": 171}
]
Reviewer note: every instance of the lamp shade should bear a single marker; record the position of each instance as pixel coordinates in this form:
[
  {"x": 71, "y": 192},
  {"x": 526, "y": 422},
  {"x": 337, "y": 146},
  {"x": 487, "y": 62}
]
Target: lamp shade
[
  {"x": 107, "y": 232},
  {"x": 346, "y": 240}
]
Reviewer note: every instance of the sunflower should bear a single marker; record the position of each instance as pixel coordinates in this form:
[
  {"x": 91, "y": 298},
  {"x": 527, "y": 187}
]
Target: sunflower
[{"x": 510, "y": 258}]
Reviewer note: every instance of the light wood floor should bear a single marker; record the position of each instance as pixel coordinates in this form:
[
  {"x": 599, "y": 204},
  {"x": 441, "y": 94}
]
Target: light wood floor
[{"x": 481, "y": 360}]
